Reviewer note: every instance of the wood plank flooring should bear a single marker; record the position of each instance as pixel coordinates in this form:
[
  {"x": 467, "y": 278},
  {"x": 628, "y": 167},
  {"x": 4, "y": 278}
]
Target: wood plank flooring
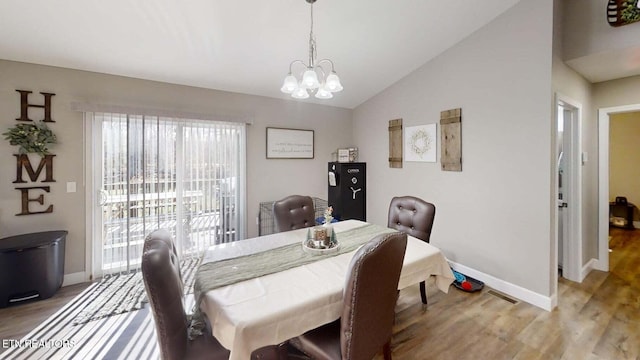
[
  {"x": 16, "y": 321},
  {"x": 597, "y": 319}
]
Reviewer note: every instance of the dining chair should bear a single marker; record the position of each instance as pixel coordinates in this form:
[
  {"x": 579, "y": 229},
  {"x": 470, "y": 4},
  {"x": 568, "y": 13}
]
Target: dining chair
[
  {"x": 165, "y": 291},
  {"x": 413, "y": 216},
  {"x": 370, "y": 295},
  {"x": 294, "y": 212}
]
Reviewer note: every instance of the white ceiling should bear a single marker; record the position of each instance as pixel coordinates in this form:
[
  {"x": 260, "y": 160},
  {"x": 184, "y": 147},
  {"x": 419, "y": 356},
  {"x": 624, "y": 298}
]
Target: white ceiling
[
  {"x": 608, "y": 65},
  {"x": 240, "y": 46}
]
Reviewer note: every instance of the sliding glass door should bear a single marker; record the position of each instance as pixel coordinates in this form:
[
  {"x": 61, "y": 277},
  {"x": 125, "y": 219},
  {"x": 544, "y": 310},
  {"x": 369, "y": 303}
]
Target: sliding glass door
[{"x": 186, "y": 176}]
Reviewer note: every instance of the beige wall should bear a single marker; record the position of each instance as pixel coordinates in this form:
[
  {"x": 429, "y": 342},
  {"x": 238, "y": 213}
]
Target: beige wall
[
  {"x": 568, "y": 83},
  {"x": 587, "y": 31},
  {"x": 617, "y": 92},
  {"x": 624, "y": 156},
  {"x": 495, "y": 215},
  {"x": 266, "y": 179}
]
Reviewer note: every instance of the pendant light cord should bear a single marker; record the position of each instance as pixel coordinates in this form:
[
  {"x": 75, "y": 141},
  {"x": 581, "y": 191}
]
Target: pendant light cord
[{"x": 312, "y": 43}]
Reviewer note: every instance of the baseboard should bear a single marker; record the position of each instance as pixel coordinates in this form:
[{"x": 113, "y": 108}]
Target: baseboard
[
  {"x": 598, "y": 265},
  {"x": 518, "y": 292},
  {"x": 74, "y": 278},
  {"x": 586, "y": 269}
]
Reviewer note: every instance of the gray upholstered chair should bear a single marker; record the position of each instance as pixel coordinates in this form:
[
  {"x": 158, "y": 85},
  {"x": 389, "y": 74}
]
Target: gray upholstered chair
[
  {"x": 165, "y": 290},
  {"x": 294, "y": 212},
  {"x": 413, "y": 216},
  {"x": 370, "y": 295}
]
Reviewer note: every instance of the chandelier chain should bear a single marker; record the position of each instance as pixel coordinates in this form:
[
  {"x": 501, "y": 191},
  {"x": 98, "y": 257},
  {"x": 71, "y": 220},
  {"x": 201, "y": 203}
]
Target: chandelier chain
[{"x": 312, "y": 43}]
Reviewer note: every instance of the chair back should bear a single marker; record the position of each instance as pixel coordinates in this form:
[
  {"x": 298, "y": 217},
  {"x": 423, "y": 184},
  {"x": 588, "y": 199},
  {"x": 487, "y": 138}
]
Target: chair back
[
  {"x": 294, "y": 212},
  {"x": 163, "y": 282},
  {"x": 370, "y": 296},
  {"x": 412, "y": 215}
]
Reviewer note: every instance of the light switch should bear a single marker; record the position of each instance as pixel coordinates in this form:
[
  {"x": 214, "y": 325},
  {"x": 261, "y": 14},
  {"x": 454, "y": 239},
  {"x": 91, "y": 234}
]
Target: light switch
[
  {"x": 585, "y": 157},
  {"x": 71, "y": 187}
]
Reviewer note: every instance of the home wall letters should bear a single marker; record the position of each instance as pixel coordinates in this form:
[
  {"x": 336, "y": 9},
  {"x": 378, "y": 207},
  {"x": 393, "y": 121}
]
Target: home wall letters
[{"x": 29, "y": 194}]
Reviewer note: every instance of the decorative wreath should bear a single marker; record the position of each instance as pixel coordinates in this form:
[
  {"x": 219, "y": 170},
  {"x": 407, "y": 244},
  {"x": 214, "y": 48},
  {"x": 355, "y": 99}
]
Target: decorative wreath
[
  {"x": 32, "y": 138},
  {"x": 420, "y": 142}
]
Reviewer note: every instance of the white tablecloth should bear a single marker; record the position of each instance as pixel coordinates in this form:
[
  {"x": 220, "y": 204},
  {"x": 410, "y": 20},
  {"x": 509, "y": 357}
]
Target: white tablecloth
[{"x": 271, "y": 309}]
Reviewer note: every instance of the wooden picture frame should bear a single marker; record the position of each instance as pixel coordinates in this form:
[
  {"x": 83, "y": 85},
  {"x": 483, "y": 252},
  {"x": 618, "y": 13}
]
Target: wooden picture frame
[{"x": 283, "y": 143}]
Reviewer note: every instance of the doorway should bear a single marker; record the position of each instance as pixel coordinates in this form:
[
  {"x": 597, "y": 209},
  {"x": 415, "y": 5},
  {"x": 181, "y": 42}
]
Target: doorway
[
  {"x": 568, "y": 211},
  {"x": 603, "y": 181}
]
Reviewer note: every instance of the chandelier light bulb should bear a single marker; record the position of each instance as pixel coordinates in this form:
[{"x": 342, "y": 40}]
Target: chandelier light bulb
[
  {"x": 323, "y": 94},
  {"x": 300, "y": 93},
  {"x": 290, "y": 84},
  {"x": 333, "y": 82},
  {"x": 310, "y": 79}
]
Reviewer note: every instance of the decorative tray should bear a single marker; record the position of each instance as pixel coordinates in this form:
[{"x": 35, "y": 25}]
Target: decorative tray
[{"x": 309, "y": 247}]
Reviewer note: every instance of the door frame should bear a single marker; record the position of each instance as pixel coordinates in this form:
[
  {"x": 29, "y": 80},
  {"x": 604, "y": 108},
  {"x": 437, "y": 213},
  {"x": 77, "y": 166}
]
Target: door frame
[
  {"x": 572, "y": 247},
  {"x": 93, "y": 184},
  {"x": 603, "y": 181}
]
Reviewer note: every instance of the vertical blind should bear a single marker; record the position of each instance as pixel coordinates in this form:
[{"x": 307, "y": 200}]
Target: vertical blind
[{"x": 186, "y": 176}]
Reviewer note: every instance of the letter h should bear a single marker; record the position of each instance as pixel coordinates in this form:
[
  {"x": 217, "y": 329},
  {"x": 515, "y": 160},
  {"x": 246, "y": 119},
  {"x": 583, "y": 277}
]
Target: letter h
[{"x": 24, "y": 106}]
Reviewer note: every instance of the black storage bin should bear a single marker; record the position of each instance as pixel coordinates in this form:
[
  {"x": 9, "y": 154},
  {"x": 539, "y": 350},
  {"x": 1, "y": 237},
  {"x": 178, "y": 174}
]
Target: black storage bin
[{"x": 31, "y": 266}]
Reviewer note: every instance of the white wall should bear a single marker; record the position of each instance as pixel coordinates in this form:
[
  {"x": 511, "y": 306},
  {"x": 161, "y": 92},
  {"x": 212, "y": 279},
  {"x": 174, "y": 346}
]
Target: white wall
[
  {"x": 267, "y": 179},
  {"x": 494, "y": 216}
]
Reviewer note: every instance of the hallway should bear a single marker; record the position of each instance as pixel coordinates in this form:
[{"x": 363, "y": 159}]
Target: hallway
[{"x": 624, "y": 258}]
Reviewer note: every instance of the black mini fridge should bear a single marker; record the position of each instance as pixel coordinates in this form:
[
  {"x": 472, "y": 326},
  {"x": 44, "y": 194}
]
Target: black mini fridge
[{"x": 348, "y": 190}]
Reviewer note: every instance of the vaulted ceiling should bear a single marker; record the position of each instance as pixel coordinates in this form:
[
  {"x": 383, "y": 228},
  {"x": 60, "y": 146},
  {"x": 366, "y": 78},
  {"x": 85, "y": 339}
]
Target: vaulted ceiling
[{"x": 241, "y": 46}]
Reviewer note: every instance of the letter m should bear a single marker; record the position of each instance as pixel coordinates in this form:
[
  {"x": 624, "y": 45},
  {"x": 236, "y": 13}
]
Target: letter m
[{"x": 23, "y": 163}]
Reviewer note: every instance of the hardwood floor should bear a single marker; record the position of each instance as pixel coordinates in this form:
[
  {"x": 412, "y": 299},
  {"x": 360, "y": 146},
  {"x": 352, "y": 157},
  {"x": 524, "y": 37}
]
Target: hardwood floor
[
  {"x": 597, "y": 319},
  {"x": 16, "y": 321}
]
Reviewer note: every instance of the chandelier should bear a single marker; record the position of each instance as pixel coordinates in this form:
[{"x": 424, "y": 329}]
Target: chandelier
[{"x": 314, "y": 79}]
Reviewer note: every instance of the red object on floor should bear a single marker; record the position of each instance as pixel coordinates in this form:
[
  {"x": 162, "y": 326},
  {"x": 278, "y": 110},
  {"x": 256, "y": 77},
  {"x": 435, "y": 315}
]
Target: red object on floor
[{"x": 466, "y": 285}]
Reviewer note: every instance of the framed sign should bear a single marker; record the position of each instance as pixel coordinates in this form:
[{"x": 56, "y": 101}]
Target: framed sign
[{"x": 289, "y": 143}]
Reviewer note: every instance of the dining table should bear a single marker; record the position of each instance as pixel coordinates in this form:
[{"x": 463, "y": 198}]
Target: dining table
[{"x": 259, "y": 299}]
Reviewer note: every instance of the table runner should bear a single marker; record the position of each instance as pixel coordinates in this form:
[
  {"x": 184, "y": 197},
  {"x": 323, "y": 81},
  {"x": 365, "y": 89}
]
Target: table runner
[{"x": 212, "y": 275}]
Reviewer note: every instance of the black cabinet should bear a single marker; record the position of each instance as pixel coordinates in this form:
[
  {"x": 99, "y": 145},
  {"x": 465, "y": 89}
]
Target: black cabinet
[
  {"x": 621, "y": 210},
  {"x": 348, "y": 190},
  {"x": 31, "y": 266}
]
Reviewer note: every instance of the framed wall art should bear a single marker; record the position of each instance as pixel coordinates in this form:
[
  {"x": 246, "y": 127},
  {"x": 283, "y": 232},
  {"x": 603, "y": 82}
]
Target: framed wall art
[
  {"x": 289, "y": 143},
  {"x": 420, "y": 143}
]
